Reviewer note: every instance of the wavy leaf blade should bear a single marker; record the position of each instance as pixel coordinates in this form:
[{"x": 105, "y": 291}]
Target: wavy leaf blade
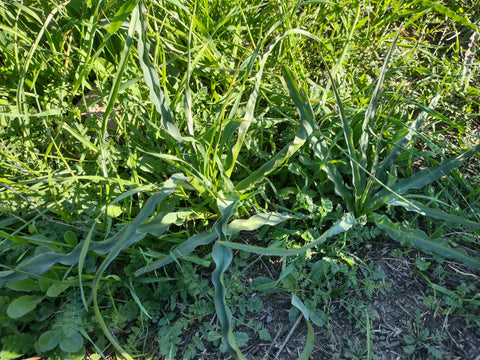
[
  {"x": 123, "y": 239},
  {"x": 421, "y": 240},
  {"x": 184, "y": 249},
  {"x": 305, "y": 355},
  {"x": 417, "y": 207},
  {"x": 222, "y": 256},
  {"x": 339, "y": 227},
  {"x": 424, "y": 177}
]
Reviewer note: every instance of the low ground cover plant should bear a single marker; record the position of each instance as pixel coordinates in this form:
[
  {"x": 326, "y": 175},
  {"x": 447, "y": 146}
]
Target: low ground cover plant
[{"x": 145, "y": 144}]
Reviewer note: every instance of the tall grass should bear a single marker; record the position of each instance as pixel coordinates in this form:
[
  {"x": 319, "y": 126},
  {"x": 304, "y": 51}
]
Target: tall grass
[{"x": 212, "y": 115}]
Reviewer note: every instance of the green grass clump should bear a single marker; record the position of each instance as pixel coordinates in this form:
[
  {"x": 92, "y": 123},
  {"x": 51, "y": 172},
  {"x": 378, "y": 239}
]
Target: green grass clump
[{"x": 140, "y": 138}]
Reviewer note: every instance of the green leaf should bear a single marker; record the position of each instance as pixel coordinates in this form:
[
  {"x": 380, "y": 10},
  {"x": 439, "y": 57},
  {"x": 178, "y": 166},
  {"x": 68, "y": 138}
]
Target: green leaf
[
  {"x": 23, "y": 305},
  {"x": 424, "y": 177},
  {"x": 121, "y": 16},
  {"x": 71, "y": 344},
  {"x": 81, "y": 261},
  {"x": 342, "y": 225},
  {"x": 70, "y": 238},
  {"x": 213, "y": 336},
  {"x": 304, "y": 131},
  {"x": 256, "y": 221},
  {"x": 160, "y": 223},
  {"x": 373, "y": 105},
  {"x": 114, "y": 211},
  {"x": 321, "y": 150},
  {"x": 318, "y": 317},
  {"x": 358, "y": 177},
  {"x": 419, "y": 239},
  {"x": 250, "y": 107},
  {"x": 241, "y": 337},
  {"x": 265, "y": 284},
  {"x": 412, "y": 205},
  {"x": 442, "y": 9},
  {"x": 150, "y": 75},
  {"x": 126, "y": 237},
  {"x": 222, "y": 256},
  {"x": 184, "y": 249},
  {"x": 48, "y": 340},
  {"x": 87, "y": 144},
  {"x": 296, "y": 302},
  {"x": 57, "y": 288},
  {"x": 402, "y": 142},
  {"x": 25, "y": 285},
  {"x": 10, "y": 355},
  {"x": 264, "y": 335}
]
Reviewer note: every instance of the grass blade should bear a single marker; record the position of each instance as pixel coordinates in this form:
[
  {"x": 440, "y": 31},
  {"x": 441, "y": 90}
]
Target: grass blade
[
  {"x": 222, "y": 256},
  {"x": 342, "y": 225},
  {"x": 442, "y": 9},
  {"x": 424, "y": 177},
  {"x": 81, "y": 261},
  {"x": 305, "y": 355},
  {"x": 150, "y": 75},
  {"x": 373, "y": 105},
  {"x": 415, "y": 206},
  {"x": 401, "y": 143},
  {"x": 118, "y": 76},
  {"x": 250, "y": 108},
  {"x": 358, "y": 176},
  {"x": 421, "y": 240},
  {"x": 121, "y": 16}
]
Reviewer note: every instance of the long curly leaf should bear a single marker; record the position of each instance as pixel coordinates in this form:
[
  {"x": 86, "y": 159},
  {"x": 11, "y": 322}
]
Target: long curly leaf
[
  {"x": 184, "y": 249},
  {"x": 339, "y": 227},
  {"x": 419, "y": 239},
  {"x": 417, "y": 207},
  {"x": 305, "y": 355},
  {"x": 128, "y": 237},
  {"x": 222, "y": 256},
  {"x": 422, "y": 178}
]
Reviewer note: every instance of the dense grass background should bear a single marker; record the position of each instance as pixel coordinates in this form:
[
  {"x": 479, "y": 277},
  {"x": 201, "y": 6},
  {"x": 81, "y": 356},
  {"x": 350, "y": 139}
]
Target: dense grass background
[{"x": 139, "y": 138}]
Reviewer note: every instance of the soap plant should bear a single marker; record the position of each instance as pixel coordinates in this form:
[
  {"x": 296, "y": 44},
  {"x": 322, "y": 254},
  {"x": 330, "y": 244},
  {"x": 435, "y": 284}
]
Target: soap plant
[{"x": 197, "y": 161}]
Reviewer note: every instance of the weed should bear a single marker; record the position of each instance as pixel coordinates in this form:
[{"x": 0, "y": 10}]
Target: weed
[
  {"x": 318, "y": 127},
  {"x": 418, "y": 337}
]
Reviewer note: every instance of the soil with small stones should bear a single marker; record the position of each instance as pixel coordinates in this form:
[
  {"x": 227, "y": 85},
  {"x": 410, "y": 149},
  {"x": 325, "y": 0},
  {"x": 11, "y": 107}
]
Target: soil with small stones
[{"x": 398, "y": 315}]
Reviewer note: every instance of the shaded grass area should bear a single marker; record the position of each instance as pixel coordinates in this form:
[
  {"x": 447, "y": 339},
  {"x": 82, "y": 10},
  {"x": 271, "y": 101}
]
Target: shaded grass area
[{"x": 141, "y": 140}]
